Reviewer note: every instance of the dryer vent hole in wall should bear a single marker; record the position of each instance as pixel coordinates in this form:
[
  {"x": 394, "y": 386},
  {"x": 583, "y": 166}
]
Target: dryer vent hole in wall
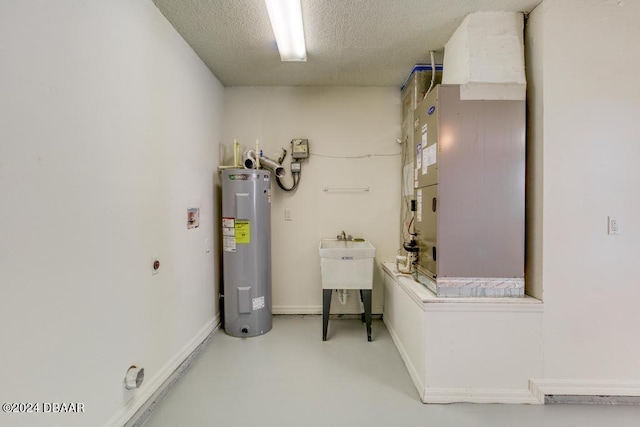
[{"x": 134, "y": 377}]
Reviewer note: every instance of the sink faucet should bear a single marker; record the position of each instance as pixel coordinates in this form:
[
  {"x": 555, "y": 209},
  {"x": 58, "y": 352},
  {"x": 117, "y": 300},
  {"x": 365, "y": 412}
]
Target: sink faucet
[{"x": 343, "y": 236}]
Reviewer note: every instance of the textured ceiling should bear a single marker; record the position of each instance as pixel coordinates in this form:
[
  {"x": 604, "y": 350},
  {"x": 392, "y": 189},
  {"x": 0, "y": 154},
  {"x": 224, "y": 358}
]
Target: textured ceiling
[{"x": 349, "y": 42}]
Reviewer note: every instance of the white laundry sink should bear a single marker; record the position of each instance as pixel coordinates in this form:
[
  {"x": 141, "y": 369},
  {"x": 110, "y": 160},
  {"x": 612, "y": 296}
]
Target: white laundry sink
[
  {"x": 346, "y": 264},
  {"x": 346, "y": 249}
]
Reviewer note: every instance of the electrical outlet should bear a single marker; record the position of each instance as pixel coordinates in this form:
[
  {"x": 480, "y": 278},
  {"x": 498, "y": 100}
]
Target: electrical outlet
[
  {"x": 614, "y": 226},
  {"x": 287, "y": 215}
]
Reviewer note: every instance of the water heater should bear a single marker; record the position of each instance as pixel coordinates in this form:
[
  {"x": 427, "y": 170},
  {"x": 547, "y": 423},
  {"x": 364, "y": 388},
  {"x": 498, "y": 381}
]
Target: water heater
[{"x": 246, "y": 245}]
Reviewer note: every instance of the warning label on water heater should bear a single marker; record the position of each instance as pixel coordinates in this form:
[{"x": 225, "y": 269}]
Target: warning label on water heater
[
  {"x": 243, "y": 232},
  {"x": 228, "y": 244},
  {"x": 258, "y": 303},
  {"x": 228, "y": 234},
  {"x": 235, "y": 231}
]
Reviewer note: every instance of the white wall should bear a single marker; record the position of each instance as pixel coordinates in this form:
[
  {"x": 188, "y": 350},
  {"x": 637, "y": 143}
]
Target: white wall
[
  {"x": 109, "y": 125},
  {"x": 590, "y": 111},
  {"x": 338, "y": 122},
  {"x": 535, "y": 144}
]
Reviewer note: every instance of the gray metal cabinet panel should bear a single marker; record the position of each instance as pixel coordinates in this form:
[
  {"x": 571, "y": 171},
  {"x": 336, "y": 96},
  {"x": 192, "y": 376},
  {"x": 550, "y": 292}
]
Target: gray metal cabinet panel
[
  {"x": 480, "y": 172},
  {"x": 426, "y": 131},
  {"x": 427, "y": 230}
]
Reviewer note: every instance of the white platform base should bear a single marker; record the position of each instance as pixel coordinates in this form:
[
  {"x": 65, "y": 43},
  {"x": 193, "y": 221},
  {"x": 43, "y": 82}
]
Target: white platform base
[{"x": 480, "y": 350}]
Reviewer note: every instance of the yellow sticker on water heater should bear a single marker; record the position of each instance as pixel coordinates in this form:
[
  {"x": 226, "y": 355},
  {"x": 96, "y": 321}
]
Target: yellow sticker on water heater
[{"x": 243, "y": 232}]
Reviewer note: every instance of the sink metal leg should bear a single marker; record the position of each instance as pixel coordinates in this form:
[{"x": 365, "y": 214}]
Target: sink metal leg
[
  {"x": 362, "y": 319},
  {"x": 326, "y": 306},
  {"x": 366, "y": 296}
]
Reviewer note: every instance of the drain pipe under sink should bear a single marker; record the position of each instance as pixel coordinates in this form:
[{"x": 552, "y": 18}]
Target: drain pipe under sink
[{"x": 342, "y": 296}]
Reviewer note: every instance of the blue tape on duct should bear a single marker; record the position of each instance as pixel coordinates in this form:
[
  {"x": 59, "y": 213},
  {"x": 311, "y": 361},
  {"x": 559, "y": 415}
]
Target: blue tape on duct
[{"x": 419, "y": 67}]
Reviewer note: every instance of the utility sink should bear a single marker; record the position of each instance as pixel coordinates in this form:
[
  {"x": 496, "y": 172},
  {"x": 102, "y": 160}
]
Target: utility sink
[
  {"x": 346, "y": 264},
  {"x": 346, "y": 249}
]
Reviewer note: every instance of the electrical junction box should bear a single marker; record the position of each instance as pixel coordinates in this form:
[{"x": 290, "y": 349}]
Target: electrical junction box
[
  {"x": 300, "y": 148},
  {"x": 295, "y": 167}
]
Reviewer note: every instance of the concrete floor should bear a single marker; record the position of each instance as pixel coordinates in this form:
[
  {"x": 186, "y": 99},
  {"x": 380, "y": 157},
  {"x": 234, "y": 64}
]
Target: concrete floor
[{"x": 290, "y": 377}]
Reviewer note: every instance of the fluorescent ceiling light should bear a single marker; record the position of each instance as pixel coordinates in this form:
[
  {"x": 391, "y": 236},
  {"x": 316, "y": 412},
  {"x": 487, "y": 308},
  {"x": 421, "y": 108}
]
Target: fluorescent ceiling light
[{"x": 286, "y": 21}]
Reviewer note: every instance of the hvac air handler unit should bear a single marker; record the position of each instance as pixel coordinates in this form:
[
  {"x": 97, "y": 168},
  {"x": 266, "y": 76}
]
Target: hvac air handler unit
[
  {"x": 246, "y": 245},
  {"x": 469, "y": 190}
]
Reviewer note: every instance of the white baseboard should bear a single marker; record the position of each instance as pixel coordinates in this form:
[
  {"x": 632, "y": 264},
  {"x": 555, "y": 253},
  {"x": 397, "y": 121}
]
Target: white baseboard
[
  {"x": 316, "y": 309},
  {"x": 542, "y": 387},
  {"x": 296, "y": 309},
  {"x": 131, "y": 407},
  {"x": 413, "y": 372},
  {"x": 460, "y": 395}
]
